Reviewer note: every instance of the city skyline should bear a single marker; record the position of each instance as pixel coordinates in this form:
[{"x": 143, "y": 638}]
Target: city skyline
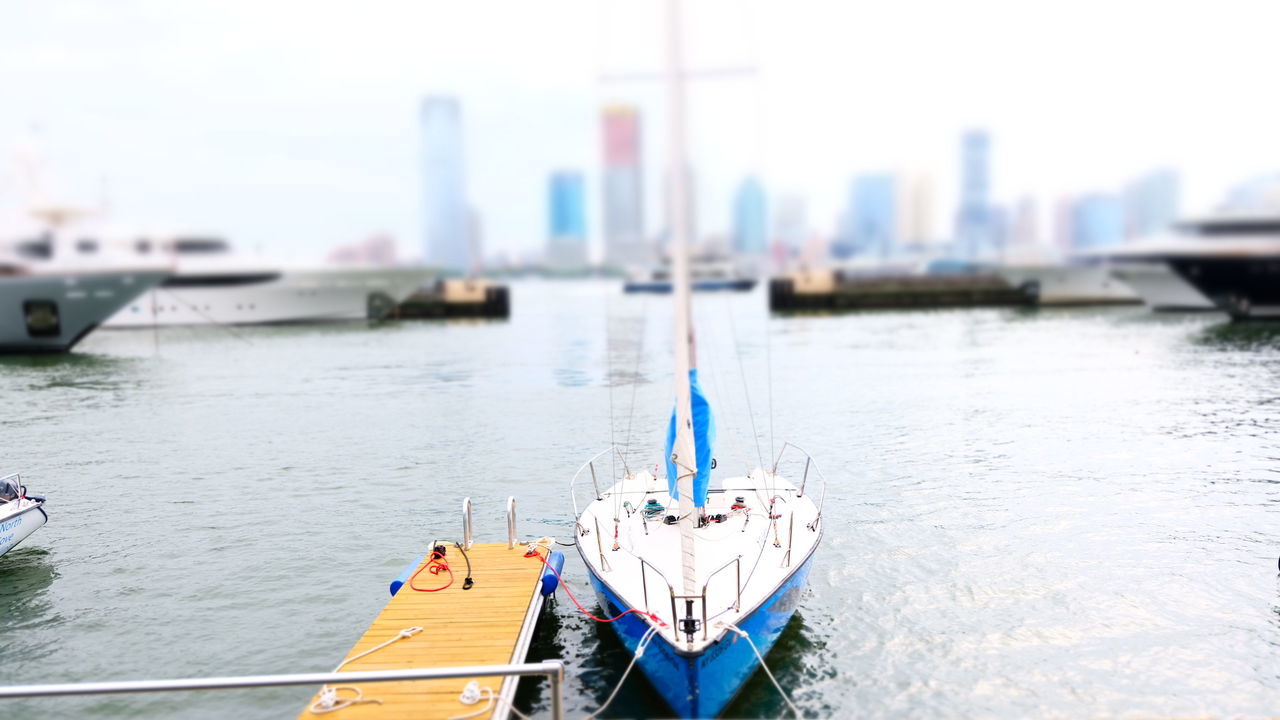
[{"x": 198, "y": 115}]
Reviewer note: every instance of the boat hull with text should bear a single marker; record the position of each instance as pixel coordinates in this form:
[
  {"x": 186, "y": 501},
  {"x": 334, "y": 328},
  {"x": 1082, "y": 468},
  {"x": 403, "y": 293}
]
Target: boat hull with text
[
  {"x": 265, "y": 297},
  {"x": 20, "y": 514}
]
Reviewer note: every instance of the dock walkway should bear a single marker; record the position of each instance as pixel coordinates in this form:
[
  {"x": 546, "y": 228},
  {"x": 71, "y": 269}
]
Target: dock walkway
[{"x": 490, "y": 624}]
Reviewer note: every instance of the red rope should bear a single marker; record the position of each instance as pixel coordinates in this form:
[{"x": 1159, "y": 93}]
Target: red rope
[
  {"x": 434, "y": 566},
  {"x": 567, "y": 591}
]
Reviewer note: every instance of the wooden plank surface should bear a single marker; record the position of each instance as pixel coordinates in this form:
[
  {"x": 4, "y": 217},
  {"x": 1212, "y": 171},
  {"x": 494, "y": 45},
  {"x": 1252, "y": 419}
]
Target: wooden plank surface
[{"x": 479, "y": 626}]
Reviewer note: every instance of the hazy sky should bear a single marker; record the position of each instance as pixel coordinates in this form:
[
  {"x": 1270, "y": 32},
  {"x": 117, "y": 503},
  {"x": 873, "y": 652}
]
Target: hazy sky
[{"x": 292, "y": 126}]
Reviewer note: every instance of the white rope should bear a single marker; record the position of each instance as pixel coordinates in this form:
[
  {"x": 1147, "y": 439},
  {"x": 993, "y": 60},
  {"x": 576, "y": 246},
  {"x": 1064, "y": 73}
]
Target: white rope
[
  {"x": 734, "y": 629},
  {"x": 644, "y": 642},
  {"x": 471, "y": 695},
  {"x": 328, "y": 700}
]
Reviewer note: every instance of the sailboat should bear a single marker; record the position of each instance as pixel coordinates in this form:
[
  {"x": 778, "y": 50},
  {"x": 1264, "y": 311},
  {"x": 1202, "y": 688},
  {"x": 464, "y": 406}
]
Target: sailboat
[{"x": 698, "y": 581}]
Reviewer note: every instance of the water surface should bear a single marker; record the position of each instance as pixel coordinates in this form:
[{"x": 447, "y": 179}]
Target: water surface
[{"x": 1067, "y": 513}]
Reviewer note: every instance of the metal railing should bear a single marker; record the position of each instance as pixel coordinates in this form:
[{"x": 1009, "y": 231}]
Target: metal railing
[
  {"x": 645, "y": 565},
  {"x": 553, "y": 669},
  {"x": 511, "y": 521},
  {"x": 466, "y": 524},
  {"x": 809, "y": 462},
  {"x": 590, "y": 466}
]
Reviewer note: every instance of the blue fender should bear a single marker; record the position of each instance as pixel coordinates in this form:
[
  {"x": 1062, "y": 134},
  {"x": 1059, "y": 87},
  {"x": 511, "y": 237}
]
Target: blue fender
[
  {"x": 549, "y": 581},
  {"x": 405, "y": 574}
]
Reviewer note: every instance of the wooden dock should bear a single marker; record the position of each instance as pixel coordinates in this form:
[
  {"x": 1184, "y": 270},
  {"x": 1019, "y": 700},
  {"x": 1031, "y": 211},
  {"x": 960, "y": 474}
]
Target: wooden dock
[{"x": 490, "y": 624}]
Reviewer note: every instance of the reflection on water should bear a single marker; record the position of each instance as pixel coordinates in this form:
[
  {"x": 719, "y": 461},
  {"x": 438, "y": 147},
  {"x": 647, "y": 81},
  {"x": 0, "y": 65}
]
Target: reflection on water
[
  {"x": 1243, "y": 336},
  {"x": 25, "y": 576}
]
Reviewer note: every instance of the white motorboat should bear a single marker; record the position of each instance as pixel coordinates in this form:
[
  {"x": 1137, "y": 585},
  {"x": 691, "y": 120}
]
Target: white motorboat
[
  {"x": 698, "y": 581},
  {"x": 707, "y": 273},
  {"x": 20, "y": 514},
  {"x": 212, "y": 285}
]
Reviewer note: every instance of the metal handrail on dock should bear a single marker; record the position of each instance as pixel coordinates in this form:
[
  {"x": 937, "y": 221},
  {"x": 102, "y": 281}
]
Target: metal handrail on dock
[
  {"x": 466, "y": 524},
  {"x": 553, "y": 669}
]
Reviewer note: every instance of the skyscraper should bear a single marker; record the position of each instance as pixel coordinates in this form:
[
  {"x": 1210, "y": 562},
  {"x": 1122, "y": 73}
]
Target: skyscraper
[
  {"x": 1025, "y": 232},
  {"x": 1151, "y": 203},
  {"x": 624, "y": 240},
  {"x": 566, "y": 211},
  {"x": 872, "y": 220},
  {"x": 750, "y": 224},
  {"x": 790, "y": 227},
  {"x": 973, "y": 218},
  {"x": 1097, "y": 221},
  {"x": 446, "y": 217},
  {"x": 915, "y": 210}
]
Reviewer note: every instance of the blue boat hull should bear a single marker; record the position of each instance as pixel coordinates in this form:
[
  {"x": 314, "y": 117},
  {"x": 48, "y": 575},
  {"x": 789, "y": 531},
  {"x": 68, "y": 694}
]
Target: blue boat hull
[
  {"x": 701, "y": 285},
  {"x": 701, "y": 685}
]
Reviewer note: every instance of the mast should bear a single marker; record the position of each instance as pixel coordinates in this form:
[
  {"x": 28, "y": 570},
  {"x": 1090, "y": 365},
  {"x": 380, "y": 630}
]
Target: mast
[{"x": 684, "y": 449}]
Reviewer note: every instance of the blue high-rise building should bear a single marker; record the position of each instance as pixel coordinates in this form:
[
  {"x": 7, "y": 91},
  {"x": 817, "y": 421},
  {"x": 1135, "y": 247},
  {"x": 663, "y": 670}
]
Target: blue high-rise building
[
  {"x": 1151, "y": 203},
  {"x": 446, "y": 217},
  {"x": 973, "y": 218},
  {"x": 1097, "y": 221},
  {"x": 871, "y": 221},
  {"x": 750, "y": 221},
  {"x": 567, "y": 215}
]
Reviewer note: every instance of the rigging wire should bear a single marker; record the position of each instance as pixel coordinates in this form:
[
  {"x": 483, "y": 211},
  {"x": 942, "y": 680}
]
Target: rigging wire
[
  {"x": 635, "y": 376},
  {"x": 742, "y": 371}
]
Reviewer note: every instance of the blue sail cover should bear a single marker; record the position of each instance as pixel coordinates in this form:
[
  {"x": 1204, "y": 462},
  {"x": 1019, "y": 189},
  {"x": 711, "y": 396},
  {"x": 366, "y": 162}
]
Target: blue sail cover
[{"x": 704, "y": 436}]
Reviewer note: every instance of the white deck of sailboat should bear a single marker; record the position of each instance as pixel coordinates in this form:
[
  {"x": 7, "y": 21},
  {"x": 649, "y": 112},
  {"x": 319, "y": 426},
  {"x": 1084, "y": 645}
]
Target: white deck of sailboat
[{"x": 739, "y": 550}]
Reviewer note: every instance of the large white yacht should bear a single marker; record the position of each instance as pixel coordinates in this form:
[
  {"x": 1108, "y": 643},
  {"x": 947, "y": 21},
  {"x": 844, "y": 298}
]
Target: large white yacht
[
  {"x": 211, "y": 284},
  {"x": 48, "y": 305},
  {"x": 1231, "y": 258}
]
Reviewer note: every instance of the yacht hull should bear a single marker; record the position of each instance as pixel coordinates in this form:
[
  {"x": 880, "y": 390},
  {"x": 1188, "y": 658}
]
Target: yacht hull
[
  {"x": 1161, "y": 288},
  {"x": 52, "y": 312},
  {"x": 1069, "y": 284},
  {"x": 701, "y": 685},
  {"x": 270, "y": 297},
  {"x": 19, "y": 521},
  {"x": 1247, "y": 288}
]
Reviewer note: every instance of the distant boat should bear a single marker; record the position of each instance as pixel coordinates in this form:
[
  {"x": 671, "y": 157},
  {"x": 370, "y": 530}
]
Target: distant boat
[
  {"x": 1231, "y": 259},
  {"x": 1235, "y": 263},
  {"x": 49, "y": 306},
  {"x": 707, "y": 273},
  {"x": 20, "y": 514},
  {"x": 212, "y": 285}
]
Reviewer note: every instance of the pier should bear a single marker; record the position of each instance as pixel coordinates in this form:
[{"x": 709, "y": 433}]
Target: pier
[
  {"x": 810, "y": 290},
  {"x": 456, "y": 298},
  {"x": 448, "y": 610}
]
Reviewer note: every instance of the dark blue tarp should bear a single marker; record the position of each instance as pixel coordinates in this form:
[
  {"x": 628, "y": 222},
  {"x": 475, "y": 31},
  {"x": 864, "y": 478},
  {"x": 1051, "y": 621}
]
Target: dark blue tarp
[{"x": 704, "y": 436}]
